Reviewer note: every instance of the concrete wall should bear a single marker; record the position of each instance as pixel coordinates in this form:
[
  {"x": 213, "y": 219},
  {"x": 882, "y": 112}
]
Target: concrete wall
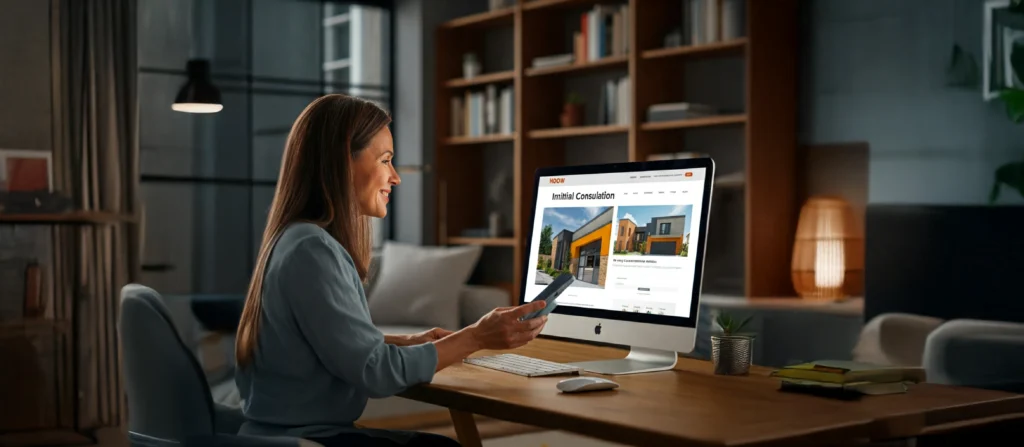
[
  {"x": 25, "y": 123},
  {"x": 874, "y": 70},
  {"x": 415, "y": 25}
]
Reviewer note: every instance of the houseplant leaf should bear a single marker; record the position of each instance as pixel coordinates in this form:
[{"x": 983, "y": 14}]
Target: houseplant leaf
[
  {"x": 1010, "y": 174},
  {"x": 1014, "y": 100}
]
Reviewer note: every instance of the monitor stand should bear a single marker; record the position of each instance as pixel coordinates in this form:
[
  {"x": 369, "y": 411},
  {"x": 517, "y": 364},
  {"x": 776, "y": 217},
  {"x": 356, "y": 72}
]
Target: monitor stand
[{"x": 639, "y": 360}]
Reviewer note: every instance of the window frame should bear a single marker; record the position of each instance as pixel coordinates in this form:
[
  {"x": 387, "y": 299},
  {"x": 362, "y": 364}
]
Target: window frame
[{"x": 255, "y": 85}]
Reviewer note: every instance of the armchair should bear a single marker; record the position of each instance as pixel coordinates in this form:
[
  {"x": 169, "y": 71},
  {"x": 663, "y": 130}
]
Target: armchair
[{"x": 964, "y": 352}]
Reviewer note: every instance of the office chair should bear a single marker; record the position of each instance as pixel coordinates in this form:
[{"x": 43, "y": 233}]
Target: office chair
[{"x": 169, "y": 402}]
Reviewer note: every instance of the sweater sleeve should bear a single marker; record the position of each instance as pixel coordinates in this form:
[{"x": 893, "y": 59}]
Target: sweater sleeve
[{"x": 320, "y": 284}]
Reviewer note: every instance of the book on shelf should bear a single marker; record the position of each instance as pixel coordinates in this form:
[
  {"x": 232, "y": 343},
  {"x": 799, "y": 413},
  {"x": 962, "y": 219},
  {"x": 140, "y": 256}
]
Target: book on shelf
[
  {"x": 615, "y": 102},
  {"x": 710, "y": 21},
  {"x": 483, "y": 112},
  {"x": 604, "y": 32},
  {"x": 554, "y": 60},
  {"x": 679, "y": 111}
]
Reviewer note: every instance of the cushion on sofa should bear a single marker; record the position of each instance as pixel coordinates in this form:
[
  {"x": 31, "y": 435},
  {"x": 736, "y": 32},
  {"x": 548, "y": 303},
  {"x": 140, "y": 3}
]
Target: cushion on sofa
[
  {"x": 420, "y": 286},
  {"x": 476, "y": 301}
]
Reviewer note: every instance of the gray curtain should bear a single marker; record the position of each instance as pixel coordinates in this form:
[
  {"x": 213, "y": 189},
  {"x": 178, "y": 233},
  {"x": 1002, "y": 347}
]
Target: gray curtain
[{"x": 96, "y": 159}]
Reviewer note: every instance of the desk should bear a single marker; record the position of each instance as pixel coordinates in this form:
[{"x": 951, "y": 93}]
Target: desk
[{"x": 692, "y": 406}]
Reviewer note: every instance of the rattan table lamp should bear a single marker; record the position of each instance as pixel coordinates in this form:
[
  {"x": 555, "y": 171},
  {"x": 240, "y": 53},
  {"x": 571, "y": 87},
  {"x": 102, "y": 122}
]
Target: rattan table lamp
[{"x": 828, "y": 252}]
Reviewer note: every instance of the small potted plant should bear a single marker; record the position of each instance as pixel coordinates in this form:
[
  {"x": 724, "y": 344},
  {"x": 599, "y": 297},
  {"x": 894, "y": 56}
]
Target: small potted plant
[
  {"x": 572, "y": 112},
  {"x": 731, "y": 352}
]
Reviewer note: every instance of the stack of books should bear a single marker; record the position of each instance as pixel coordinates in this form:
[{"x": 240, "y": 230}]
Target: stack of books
[
  {"x": 604, "y": 32},
  {"x": 483, "y": 112},
  {"x": 847, "y": 379}
]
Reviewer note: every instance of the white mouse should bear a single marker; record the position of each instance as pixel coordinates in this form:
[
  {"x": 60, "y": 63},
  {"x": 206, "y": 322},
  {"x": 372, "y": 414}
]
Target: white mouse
[{"x": 580, "y": 384}]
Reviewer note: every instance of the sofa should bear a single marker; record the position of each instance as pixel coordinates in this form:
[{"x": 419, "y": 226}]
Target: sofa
[
  {"x": 409, "y": 290},
  {"x": 960, "y": 351}
]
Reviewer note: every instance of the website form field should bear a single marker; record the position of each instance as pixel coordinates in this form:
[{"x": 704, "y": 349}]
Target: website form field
[{"x": 625, "y": 238}]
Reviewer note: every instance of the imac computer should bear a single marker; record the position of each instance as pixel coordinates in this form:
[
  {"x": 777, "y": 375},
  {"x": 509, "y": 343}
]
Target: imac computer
[{"x": 632, "y": 235}]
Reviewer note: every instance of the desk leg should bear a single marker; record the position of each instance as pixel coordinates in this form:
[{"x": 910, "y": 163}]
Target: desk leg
[{"x": 465, "y": 428}]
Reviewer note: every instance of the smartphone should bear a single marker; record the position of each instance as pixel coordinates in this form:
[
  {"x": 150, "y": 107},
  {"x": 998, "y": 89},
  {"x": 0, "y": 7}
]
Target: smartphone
[{"x": 550, "y": 294}]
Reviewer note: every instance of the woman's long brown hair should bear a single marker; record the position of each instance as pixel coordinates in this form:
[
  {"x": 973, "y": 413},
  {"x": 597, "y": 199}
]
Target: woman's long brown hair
[{"x": 315, "y": 185}]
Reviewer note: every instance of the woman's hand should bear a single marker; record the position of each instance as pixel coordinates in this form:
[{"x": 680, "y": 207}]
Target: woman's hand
[
  {"x": 503, "y": 328},
  {"x": 499, "y": 329},
  {"x": 420, "y": 338}
]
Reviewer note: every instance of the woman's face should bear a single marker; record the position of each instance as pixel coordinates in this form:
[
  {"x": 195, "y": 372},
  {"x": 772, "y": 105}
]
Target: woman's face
[{"x": 374, "y": 175}]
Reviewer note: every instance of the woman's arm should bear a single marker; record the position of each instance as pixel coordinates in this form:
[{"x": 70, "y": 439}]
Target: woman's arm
[
  {"x": 417, "y": 338},
  {"x": 499, "y": 329},
  {"x": 321, "y": 285}
]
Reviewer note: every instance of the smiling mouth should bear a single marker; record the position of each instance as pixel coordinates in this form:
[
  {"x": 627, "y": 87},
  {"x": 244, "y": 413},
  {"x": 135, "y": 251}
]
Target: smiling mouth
[{"x": 385, "y": 194}]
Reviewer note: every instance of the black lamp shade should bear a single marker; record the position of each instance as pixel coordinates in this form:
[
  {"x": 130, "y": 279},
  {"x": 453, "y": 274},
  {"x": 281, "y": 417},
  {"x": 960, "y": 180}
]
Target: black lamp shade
[{"x": 198, "y": 95}]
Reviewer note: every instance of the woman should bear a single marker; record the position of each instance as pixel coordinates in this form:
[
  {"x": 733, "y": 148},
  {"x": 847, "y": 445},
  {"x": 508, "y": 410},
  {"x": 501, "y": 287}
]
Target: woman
[{"x": 308, "y": 354}]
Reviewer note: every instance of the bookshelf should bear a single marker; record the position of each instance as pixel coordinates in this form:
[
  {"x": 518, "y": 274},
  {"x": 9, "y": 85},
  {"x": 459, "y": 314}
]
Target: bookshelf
[
  {"x": 752, "y": 76},
  {"x": 71, "y": 217}
]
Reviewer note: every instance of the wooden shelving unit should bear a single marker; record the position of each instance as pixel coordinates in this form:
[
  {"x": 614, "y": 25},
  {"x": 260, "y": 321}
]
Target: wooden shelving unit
[
  {"x": 485, "y": 241},
  {"x": 484, "y": 79},
  {"x": 33, "y": 326},
  {"x": 455, "y": 141},
  {"x": 609, "y": 62},
  {"x": 752, "y": 141},
  {"x": 73, "y": 217},
  {"x": 579, "y": 131},
  {"x": 487, "y": 19},
  {"x": 727, "y": 47},
  {"x": 720, "y": 120},
  {"x": 63, "y": 336}
]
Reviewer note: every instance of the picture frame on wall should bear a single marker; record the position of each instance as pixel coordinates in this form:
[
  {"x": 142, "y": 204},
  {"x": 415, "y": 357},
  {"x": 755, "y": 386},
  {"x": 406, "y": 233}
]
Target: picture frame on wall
[
  {"x": 26, "y": 170},
  {"x": 1003, "y": 43}
]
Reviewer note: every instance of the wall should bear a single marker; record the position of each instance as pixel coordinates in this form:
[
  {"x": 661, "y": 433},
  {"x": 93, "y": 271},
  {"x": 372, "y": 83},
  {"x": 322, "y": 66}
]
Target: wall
[
  {"x": 25, "y": 123},
  {"x": 874, "y": 70},
  {"x": 414, "y": 105}
]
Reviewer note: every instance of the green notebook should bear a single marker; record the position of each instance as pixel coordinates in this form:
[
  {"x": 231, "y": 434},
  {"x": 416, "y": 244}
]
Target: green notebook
[{"x": 843, "y": 372}]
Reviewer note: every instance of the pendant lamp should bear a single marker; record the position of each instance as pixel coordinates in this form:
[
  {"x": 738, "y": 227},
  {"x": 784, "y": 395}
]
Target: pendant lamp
[{"x": 198, "y": 95}]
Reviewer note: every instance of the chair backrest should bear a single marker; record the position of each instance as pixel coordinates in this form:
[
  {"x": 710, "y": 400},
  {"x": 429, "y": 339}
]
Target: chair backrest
[{"x": 168, "y": 396}]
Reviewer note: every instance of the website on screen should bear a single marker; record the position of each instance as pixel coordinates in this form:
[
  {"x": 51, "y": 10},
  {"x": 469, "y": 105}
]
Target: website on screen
[{"x": 628, "y": 239}]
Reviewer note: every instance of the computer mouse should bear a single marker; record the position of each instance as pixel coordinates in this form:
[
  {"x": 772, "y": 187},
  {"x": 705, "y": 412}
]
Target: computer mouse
[{"x": 581, "y": 384}]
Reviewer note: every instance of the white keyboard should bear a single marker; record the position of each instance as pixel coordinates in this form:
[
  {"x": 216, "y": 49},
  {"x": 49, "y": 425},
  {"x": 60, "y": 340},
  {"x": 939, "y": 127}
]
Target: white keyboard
[{"x": 522, "y": 365}]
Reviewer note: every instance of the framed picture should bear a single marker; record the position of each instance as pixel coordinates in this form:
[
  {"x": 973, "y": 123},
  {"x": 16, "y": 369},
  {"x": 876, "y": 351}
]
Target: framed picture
[
  {"x": 1003, "y": 41},
  {"x": 26, "y": 170}
]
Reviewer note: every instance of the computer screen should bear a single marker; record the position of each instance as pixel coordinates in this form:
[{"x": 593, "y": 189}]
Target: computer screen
[{"x": 630, "y": 239}]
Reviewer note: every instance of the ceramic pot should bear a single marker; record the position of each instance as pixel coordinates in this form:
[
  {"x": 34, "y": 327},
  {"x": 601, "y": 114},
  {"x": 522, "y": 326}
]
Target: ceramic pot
[
  {"x": 731, "y": 354},
  {"x": 572, "y": 115}
]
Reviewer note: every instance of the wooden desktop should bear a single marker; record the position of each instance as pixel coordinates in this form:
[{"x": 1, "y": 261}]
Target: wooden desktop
[{"x": 692, "y": 406}]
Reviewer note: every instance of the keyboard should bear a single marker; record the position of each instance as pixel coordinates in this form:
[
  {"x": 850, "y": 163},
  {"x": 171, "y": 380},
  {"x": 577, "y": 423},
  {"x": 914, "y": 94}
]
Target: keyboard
[{"x": 522, "y": 365}]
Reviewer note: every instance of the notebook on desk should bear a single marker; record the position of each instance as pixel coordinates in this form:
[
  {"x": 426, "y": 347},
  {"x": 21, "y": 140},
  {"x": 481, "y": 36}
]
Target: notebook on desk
[
  {"x": 846, "y": 372},
  {"x": 845, "y": 379}
]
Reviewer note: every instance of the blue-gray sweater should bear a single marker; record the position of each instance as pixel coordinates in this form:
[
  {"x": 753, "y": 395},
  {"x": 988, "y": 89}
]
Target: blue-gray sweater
[{"x": 319, "y": 356}]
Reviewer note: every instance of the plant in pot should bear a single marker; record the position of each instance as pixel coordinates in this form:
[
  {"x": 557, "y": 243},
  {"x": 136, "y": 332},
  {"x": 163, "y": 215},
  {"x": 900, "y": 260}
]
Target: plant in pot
[
  {"x": 572, "y": 111},
  {"x": 732, "y": 350}
]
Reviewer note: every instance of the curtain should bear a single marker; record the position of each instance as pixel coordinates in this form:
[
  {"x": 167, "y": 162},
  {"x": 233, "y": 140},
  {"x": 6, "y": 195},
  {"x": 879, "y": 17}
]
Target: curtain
[{"x": 95, "y": 161}]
